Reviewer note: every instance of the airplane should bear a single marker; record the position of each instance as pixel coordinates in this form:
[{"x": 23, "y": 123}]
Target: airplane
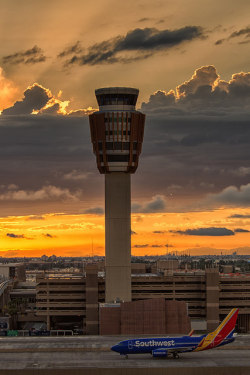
[{"x": 165, "y": 346}]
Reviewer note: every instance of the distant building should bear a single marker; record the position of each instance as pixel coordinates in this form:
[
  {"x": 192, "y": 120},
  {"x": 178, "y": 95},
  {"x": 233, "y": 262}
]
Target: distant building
[{"x": 72, "y": 301}]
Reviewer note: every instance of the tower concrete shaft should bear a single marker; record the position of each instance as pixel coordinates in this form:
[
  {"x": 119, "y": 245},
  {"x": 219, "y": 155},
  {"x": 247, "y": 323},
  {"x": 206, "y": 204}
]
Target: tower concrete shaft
[
  {"x": 118, "y": 236},
  {"x": 117, "y": 134}
]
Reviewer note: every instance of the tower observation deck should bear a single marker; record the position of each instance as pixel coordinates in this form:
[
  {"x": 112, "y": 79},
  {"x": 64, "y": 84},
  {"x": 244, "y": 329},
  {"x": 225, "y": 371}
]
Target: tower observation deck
[{"x": 117, "y": 134}]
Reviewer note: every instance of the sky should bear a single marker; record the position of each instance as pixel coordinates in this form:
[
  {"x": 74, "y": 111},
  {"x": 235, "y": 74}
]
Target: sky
[{"x": 190, "y": 61}]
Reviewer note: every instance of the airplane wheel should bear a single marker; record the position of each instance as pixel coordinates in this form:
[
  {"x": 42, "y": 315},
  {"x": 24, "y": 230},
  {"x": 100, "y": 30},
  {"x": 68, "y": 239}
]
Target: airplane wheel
[{"x": 176, "y": 355}]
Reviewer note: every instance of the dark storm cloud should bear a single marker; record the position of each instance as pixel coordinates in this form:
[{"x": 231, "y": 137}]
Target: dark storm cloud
[
  {"x": 239, "y": 230},
  {"x": 40, "y": 150},
  {"x": 145, "y": 42},
  {"x": 13, "y": 235},
  {"x": 35, "y": 98},
  {"x": 212, "y": 231},
  {"x": 30, "y": 56},
  {"x": 184, "y": 157},
  {"x": 239, "y": 216}
]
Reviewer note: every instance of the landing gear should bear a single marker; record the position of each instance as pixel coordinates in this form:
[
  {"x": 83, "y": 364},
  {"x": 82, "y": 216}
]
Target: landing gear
[{"x": 176, "y": 355}]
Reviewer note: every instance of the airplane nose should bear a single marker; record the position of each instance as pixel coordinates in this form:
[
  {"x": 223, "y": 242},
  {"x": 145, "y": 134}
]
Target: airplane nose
[{"x": 115, "y": 348}]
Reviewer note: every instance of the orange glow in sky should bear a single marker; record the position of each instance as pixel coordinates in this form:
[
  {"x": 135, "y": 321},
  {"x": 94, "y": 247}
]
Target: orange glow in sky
[{"x": 152, "y": 234}]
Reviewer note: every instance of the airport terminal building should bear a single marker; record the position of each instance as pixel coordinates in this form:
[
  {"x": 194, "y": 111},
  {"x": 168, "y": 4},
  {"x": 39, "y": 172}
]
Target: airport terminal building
[{"x": 77, "y": 300}]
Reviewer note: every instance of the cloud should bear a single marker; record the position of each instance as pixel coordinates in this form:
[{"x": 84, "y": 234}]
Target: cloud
[
  {"x": 75, "y": 48},
  {"x": 212, "y": 231},
  {"x": 245, "y": 32},
  {"x": 94, "y": 211},
  {"x": 239, "y": 216},
  {"x": 35, "y": 98},
  {"x": 141, "y": 246},
  {"x": 239, "y": 230},
  {"x": 48, "y": 235},
  {"x": 35, "y": 217},
  {"x": 232, "y": 195},
  {"x": 205, "y": 93},
  {"x": 157, "y": 246},
  {"x": 39, "y": 100},
  {"x": 76, "y": 175},
  {"x": 159, "y": 231},
  {"x": 46, "y": 193},
  {"x": 204, "y": 76},
  {"x": 196, "y": 151},
  {"x": 156, "y": 204},
  {"x": 219, "y": 41},
  {"x": 30, "y": 56},
  {"x": 12, "y": 235},
  {"x": 242, "y": 171},
  {"x": 142, "y": 42}
]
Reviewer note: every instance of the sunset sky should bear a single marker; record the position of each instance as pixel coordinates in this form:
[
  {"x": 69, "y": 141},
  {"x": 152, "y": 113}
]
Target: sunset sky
[{"x": 191, "y": 63}]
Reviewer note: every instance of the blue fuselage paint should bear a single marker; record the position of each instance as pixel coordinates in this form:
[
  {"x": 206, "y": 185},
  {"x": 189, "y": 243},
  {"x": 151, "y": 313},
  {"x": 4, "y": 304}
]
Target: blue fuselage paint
[{"x": 148, "y": 345}]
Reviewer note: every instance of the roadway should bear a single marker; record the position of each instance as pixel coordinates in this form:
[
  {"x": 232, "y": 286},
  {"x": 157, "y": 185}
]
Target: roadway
[{"x": 91, "y": 355}]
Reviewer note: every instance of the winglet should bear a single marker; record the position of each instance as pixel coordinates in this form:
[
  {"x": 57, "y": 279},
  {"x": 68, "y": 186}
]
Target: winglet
[{"x": 214, "y": 338}]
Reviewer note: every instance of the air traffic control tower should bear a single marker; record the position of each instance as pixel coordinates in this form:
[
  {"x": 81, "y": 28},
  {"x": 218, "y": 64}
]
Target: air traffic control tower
[{"x": 117, "y": 135}]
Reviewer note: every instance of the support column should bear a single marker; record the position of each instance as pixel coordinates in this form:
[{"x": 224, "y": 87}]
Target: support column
[
  {"x": 212, "y": 298},
  {"x": 92, "y": 308},
  {"x": 48, "y": 322},
  {"x": 118, "y": 236}
]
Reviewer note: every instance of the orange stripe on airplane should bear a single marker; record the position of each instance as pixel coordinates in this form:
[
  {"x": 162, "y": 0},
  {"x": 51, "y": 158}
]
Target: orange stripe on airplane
[{"x": 214, "y": 338}]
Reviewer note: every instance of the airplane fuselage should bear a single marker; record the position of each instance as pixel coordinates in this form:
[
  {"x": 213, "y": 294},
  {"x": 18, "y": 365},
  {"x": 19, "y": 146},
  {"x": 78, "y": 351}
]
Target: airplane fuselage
[{"x": 161, "y": 345}]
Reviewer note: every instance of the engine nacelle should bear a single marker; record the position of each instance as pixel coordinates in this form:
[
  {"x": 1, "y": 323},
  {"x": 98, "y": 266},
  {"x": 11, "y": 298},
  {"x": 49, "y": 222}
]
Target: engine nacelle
[{"x": 160, "y": 353}]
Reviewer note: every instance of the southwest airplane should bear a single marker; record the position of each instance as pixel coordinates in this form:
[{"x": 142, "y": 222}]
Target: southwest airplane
[{"x": 162, "y": 347}]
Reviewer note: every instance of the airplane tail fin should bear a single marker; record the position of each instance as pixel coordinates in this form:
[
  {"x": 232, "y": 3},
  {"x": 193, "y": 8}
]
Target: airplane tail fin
[
  {"x": 191, "y": 332},
  {"x": 224, "y": 330}
]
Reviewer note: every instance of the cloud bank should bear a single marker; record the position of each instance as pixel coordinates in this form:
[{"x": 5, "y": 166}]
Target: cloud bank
[
  {"x": 40, "y": 100},
  {"x": 205, "y": 93},
  {"x": 142, "y": 42},
  {"x": 196, "y": 154}
]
